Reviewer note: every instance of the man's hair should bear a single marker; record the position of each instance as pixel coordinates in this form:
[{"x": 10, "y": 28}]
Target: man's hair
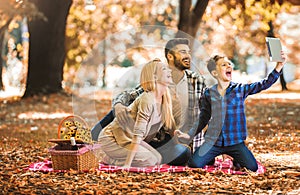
[
  {"x": 212, "y": 62},
  {"x": 173, "y": 42}
]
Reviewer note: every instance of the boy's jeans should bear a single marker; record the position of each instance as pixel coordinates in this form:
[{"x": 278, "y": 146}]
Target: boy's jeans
[{"x": 241, "y": 154}]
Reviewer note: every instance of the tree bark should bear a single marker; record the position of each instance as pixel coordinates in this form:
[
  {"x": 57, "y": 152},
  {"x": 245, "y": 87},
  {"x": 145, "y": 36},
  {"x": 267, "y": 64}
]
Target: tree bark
[
  {"x": 47, "y": 47},
  {"x": 190, "y": 18}
]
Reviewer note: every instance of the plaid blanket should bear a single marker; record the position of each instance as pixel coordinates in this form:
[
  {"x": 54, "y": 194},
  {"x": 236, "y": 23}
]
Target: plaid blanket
[{"x": 225, "y": 166}]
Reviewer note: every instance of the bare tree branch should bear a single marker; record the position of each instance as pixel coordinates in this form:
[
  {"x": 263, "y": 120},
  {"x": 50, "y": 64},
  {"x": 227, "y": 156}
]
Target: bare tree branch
[
  {"x": 184, "y": 18},
  {"x": 199, "y": 11}
]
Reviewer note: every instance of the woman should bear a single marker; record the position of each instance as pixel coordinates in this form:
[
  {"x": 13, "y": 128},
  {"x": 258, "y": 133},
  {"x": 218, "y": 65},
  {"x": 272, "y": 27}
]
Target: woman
[{"x": 128, "y": 145}]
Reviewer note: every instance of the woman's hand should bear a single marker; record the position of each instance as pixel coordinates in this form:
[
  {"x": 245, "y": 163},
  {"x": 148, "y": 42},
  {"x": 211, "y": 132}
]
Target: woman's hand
[
  {"x": 136, "y": 140},
  {"x": 180, "y": 136}
]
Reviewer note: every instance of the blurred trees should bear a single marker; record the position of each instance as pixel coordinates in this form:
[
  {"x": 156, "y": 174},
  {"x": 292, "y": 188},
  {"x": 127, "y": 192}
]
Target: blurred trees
[
  {"x": 115, "y": 16},
  {"x": 237, "y": 28},
  {"x": 9, "y": 10},
  {"x": 242, "y": 26},
  {"x": 90, "y": 34}
]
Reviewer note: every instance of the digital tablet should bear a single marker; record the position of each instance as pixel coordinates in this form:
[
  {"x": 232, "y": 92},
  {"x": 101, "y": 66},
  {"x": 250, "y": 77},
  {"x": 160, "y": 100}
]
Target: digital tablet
[{"x": 274, "y": 49}]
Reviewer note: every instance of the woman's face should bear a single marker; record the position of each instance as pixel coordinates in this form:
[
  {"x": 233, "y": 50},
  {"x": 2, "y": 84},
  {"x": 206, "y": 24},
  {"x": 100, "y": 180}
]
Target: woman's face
[{"x": 163, "y": 74}]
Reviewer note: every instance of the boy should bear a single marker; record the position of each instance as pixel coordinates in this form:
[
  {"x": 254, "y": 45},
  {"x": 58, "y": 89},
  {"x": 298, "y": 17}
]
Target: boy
[{"x": 222, "y": 108}]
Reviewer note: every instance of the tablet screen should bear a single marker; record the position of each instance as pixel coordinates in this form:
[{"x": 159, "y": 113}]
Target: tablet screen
[{"x": 274, "y": 49}]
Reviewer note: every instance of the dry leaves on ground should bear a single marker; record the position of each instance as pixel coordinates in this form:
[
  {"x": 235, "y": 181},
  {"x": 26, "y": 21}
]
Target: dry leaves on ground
[{"x": 26, "y": 126}]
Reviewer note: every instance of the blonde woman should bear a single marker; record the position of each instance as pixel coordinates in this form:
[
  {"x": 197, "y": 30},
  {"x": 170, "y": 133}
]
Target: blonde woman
[{"x": 128, "y": 145}]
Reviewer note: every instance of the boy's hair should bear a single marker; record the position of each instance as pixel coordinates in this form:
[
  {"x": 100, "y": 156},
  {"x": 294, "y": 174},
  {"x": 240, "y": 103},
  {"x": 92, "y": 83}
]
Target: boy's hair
[
  {"x": 173, "y": 42},
  {"x": 212, "y": 62}
]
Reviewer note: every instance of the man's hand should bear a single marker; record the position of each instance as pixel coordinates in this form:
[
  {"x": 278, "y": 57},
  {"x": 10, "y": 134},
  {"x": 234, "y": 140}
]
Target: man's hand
[
  {"x": 181, "y": 137},
  {"x": 122, "y": 114}
]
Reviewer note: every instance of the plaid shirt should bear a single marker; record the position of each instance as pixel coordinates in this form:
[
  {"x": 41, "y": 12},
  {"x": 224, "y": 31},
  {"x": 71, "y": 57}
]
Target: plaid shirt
[
  {"x": 196, "y": 87},
  {"x": 225, "y": 115}
]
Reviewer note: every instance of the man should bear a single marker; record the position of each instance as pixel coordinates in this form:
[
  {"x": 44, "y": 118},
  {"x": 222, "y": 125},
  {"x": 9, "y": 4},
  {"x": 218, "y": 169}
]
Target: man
[{"x": 185, "y": 96}]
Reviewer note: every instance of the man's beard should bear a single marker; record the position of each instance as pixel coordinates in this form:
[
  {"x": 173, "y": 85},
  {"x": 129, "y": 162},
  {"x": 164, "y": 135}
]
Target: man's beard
[{"x": 180, "y": 65}]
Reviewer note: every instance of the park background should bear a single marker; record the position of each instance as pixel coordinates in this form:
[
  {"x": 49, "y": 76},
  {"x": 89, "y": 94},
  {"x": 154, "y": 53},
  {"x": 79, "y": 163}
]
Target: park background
[{"x": 76, "y": 55}]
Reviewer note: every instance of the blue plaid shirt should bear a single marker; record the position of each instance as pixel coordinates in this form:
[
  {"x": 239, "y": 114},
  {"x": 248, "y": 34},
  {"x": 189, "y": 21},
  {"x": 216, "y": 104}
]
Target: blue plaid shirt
[{"x": 225, "y": 116}]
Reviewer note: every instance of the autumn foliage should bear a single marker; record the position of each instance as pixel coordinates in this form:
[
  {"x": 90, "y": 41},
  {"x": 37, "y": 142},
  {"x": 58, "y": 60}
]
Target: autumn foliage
[{"x": 27, "y": 125}]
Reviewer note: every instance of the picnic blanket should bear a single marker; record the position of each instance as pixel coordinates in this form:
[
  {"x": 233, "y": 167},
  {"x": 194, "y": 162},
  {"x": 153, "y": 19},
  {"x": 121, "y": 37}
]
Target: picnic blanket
[{"x": 225, "y": 166}]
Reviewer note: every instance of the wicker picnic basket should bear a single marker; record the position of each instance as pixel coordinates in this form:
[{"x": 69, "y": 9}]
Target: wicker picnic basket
[
  {"x": 86, "y": 154},
  {"x": 85, "y": 158}
]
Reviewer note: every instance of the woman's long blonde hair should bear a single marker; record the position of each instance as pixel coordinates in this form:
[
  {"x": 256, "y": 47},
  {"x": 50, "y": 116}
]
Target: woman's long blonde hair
[{"x": 148, "y": 83}]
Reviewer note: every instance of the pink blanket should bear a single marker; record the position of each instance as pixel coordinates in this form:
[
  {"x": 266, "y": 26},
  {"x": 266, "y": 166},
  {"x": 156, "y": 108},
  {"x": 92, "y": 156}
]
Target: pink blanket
[{"x": 224, "y": 166}]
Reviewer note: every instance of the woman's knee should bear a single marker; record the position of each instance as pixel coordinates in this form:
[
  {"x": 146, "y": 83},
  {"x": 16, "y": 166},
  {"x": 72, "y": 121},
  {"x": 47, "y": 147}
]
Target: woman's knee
[
  {"x": 149, "y": 158},
  {"x": 152, "y": 160}
]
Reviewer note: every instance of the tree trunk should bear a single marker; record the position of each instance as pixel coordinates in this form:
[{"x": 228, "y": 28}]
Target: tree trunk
[
  {"x": 47, "y": 47},
  {"x": 283, "y": 83},
  {"x": 189, "y": 19}
]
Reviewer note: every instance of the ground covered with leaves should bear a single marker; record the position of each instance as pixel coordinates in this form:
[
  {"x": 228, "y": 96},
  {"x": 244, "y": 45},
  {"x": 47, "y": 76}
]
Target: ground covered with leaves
[{"x": 26, "y": 125}]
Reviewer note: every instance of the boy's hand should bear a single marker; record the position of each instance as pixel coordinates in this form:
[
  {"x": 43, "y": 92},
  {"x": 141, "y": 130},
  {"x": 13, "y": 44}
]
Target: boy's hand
[
  {"x": 283, "y": 56},
  {"x": 280, "y": 64},
  {"x": 180, "y": 136}
]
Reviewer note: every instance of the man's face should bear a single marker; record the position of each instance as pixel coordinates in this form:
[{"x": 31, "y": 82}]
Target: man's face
[{"x": 182, "y": 56}]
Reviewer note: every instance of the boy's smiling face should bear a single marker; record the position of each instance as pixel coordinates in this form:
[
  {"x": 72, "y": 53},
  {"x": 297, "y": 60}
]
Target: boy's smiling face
[{"x": 223, "y": 70}]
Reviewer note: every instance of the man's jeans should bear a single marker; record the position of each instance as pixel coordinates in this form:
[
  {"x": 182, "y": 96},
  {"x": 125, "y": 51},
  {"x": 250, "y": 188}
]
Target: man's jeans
[
  {"x": 172, "y": 153},
  {"x": 239, "y": 152},
  {"x": 95, "y": 131}
]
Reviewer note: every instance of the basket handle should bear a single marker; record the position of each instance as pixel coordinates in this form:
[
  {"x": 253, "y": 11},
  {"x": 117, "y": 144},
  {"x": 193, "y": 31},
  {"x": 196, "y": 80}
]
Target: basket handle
[{"x": 71, "y": 116}]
